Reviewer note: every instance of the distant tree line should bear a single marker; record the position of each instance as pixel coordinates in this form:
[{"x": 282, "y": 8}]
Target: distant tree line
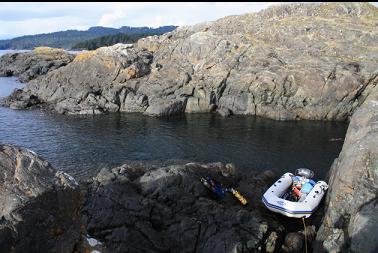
[
  {"x": 70, "y": 38},
  {"x": 110, "y": 40}
]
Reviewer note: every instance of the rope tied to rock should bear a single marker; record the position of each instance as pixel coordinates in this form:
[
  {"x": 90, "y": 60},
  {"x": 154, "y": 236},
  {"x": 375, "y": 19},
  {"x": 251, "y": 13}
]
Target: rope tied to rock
[{"x": 305, "y": 233}]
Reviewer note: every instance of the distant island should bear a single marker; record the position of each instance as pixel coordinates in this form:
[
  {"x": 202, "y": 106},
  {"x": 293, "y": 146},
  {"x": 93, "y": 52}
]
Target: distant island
[{"x": 74, "y": 39}]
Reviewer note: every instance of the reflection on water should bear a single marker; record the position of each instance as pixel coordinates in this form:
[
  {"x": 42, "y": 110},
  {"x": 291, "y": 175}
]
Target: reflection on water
[
  {"x": 81, "y": 145},
  {"x": 7, "y": 85}
]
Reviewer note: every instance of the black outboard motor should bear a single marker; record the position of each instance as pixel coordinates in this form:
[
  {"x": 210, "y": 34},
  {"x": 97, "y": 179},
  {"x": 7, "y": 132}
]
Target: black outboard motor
[{"x": 304, "y": 172}]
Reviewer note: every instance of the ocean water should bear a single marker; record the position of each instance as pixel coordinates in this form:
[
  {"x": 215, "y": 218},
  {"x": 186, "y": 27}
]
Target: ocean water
[
  {"x": 2, "y": 52},
  {"x": 82, "y": 145}
]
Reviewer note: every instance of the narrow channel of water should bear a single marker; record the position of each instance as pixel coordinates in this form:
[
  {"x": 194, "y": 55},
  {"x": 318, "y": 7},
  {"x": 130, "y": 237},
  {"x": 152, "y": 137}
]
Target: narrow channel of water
[{"x": 81, "y": 145}]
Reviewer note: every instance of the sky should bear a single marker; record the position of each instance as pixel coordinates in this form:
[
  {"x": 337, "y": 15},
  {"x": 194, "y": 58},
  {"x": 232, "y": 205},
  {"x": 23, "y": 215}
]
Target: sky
[{"x": 17, "y": 19}]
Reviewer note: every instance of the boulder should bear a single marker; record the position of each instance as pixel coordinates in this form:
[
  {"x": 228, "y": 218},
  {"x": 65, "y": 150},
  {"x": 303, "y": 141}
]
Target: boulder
[
  {"x": 295, "y": 242},
  {"x": 39, "y": 206},
  {"x": 224, "y": 112},
  {"x": 166, "y": 108},
  {"x": 351, "y": 222}
]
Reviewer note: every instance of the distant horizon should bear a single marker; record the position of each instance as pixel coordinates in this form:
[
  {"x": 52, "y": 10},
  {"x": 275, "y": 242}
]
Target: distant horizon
[
  {"x": 24, "y": 19},
  {"x": 81, "y": 30}
]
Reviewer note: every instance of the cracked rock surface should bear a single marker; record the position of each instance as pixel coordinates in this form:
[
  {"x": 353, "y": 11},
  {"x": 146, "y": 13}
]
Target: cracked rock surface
[
  {"x": 39, "y": 206},
  {"x": 351, "y": 222},
  {"x": 30, "y": 65},
  {"x": 295, "y": 61},
  {"x": 167, "y": 209}
]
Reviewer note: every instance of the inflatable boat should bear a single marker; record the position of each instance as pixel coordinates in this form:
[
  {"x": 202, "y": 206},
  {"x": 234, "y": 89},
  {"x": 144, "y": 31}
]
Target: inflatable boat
[{"x": 274, "y": 198}]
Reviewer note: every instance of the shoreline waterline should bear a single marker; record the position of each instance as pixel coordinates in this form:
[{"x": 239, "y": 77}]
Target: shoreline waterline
[{"x": 83, "y": 144}]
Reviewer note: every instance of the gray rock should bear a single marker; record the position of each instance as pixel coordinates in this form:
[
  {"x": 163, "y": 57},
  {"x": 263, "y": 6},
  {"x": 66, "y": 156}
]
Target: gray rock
[
  {"x": 245, "y": 63},
  {"x": 39, "y": 206},
  {"x": 295, "y": 61},
  {"x": 20, "y": 99},
  {"x": 93, "y": 82},
  {"x": 30, "y": 65},
  {"x": 166, "y": 108},
  {"x": 350, "y": 223},
  {"x": 335, "y": 241},
  {"x": 294, "y": 242},
  {"x": 131, "y": 102},
  {"x": 224, "y": 112},
  {"x": 154, "y": 209},
  {"x": 271, "y": 242}
]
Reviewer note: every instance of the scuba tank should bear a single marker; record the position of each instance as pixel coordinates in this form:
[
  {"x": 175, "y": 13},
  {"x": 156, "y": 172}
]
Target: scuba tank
[{"x": 239, "y": 196}]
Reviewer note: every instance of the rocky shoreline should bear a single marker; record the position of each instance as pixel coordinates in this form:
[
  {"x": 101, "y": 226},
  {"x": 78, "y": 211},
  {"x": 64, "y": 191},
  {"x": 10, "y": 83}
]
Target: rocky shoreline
[
  {"x": 299, "y": 61},
  {"x": 287, "y": 62},
  {"x": 30, "y": 65},
  {"x": 146, "y": 207},
  {"x": 137, "y": 207}
]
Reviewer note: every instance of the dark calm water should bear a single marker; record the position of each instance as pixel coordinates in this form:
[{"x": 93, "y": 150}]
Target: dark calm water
[{"x": 81, "y": 145}]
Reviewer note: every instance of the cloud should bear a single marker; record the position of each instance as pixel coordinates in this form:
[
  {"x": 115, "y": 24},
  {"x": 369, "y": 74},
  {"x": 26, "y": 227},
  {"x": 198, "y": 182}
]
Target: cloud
[
  {"x": 26, "y": 11},
  {"x": 157, "y": 14},
  {"x": 18, "y": 19},
  {"x": 33, "y": 26}
]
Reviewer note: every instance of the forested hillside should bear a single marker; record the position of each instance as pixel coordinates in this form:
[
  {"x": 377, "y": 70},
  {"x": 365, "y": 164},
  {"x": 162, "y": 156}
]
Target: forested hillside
[
  {"x": 110, "y": 40},
  {"x": 67, "y": 39}
]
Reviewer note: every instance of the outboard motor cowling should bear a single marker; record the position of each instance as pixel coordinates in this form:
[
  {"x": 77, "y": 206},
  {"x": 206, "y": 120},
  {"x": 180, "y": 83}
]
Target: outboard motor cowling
[{"x": 304, "y": 172}]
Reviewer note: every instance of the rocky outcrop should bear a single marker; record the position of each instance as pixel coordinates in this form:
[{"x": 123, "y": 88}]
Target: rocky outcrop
[
  {"x": 351, "y": 222},
  {"x": 93, "y": 82},
  {"x": 19, "y": 99},
  {"x": 27, "y": 66},
  {"x": 167, "y": 209},
  {"x": 296, "y": 61},
  {"x": 137, "y": 207},
  {"x": 39, "y": 206},
  {"x": 303, "y": 61}
]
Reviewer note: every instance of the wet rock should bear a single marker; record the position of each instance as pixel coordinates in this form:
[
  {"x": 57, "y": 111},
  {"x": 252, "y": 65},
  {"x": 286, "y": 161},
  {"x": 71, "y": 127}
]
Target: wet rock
[
  {"x": 168, "y": 209},
  {"x": 30, "y": 65},
  {"x": 350, "y": 222},
  {"x": 39, "y": 206},
  {"x": 20, "y": 99},
  {"x": 224, "y": 112},
  {"x": 295, "y": 242},
  {"x": 166, "y": 108}
]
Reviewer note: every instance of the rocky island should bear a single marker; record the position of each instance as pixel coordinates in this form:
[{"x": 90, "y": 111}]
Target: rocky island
[
  {"x": 289, "y": 62},
  {"x": 29, "y": 65}
]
